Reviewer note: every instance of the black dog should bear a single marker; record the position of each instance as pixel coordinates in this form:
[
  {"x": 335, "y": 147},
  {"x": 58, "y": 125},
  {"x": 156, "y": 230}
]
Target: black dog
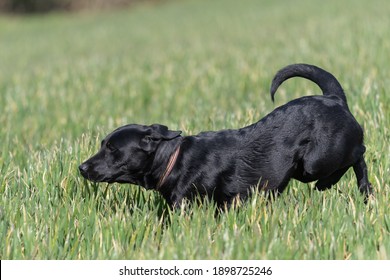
[{"x": 313, "y": 138}]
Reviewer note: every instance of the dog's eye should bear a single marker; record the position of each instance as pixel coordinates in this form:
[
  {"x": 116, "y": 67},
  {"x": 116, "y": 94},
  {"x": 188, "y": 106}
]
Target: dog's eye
[
  {"x": 110, "y": 147},
  {"x": 147, "y": 139}
]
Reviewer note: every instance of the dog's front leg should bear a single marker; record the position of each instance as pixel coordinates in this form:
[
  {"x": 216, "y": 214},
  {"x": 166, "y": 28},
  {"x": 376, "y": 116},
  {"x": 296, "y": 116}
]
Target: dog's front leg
[{"x": 175, "y": 201}]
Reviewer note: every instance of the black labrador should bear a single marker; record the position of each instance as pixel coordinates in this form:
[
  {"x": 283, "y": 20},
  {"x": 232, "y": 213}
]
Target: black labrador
[{"x": 312, "y": 138}]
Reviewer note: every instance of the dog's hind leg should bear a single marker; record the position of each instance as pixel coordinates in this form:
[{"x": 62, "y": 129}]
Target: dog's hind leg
[
  {"x": 327, "y": 182},
  {"x": 360, "y": 169}
]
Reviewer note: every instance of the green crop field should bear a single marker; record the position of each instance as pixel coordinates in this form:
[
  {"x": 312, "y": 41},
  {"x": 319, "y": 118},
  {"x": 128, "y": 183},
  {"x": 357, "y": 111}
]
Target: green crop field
[{"x": 66, "y": 80}]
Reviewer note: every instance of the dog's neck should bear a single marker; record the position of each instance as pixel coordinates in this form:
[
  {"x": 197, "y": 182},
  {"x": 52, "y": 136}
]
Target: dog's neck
[
  {"x": 168, "y": 169},
  {"x": 163, "y": 163}
]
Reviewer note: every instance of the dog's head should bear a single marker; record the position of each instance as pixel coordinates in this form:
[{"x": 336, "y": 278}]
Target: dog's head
[{"x": 126, "y": 153}]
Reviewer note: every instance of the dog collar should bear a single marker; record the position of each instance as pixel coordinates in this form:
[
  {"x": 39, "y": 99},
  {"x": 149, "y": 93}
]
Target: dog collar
[{"x": 168, "y": 169}]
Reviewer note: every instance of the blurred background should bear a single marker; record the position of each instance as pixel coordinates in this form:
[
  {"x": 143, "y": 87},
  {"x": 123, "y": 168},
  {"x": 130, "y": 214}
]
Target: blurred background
[
  {"x": 71, "y": 71},
  {"x": 44, "y": 6}
]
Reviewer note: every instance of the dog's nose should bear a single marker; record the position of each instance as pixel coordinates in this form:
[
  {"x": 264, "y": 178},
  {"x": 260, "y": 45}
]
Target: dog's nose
[{"x": 83, "y": 168}]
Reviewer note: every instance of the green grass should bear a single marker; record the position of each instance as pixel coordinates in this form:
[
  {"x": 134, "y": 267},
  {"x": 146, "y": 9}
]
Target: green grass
[{"x": 67, "y": 80}]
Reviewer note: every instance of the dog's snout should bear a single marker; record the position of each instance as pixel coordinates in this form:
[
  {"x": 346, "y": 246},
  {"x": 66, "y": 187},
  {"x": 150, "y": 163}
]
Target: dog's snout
[{"x": 83, "y": 168}]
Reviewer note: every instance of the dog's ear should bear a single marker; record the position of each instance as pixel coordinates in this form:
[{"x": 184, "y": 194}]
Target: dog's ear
[
  {"x": 160, "y": 131},
  {"x": 157, "y": 133}
]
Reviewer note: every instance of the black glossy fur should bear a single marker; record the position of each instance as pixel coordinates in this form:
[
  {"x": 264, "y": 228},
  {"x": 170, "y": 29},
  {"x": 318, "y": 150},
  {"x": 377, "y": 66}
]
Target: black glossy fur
[{"x": 313, "y": 138}]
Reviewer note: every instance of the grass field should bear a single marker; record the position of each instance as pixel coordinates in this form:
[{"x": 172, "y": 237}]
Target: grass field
[{"x": 67, "y": 80}]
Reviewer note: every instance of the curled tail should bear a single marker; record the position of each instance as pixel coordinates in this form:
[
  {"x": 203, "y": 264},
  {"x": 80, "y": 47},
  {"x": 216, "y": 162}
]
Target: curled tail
[{"x": 326, "y": 81}]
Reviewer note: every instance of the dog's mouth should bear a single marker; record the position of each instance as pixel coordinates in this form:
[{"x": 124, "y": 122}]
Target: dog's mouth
[
  {"x": 99, "y": 179},
  {"x": 87, "y": 172},
  {"x": 93, "y": 176}
]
